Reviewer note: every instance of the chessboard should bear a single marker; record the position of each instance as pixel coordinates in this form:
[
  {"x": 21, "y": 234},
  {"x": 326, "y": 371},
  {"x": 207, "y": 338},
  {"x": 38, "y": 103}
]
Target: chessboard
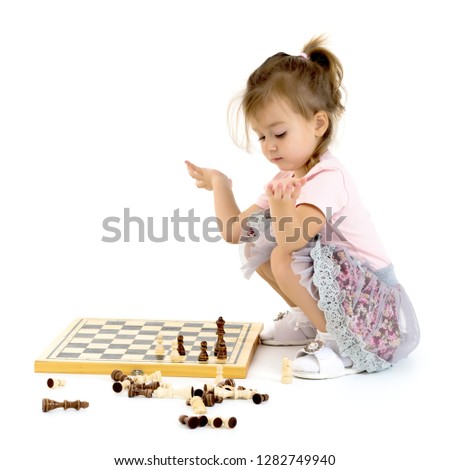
[{"x": 100, "y": 345}]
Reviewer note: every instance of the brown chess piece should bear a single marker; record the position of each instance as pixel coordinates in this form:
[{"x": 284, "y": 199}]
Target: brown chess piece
[
  {"x": 49, "y": 405},
  {"x": 259, "y": 397},
  {"x": 222, "y": 352},
  {"x": 118, "y": 375},
  {"x": 203, "y": 356},
  {"x": 134, "y": 391},
  {"x": 181, "y": 350},
  {"x": 220, "y": 332}
]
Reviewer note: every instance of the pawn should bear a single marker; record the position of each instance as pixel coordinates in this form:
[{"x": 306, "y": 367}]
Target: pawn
[
  {"x": 49, "y": 405},
  {"x": 191, "y": 422},
  {"x": 230, "y": 423},
  {"x": 174, "y": 354},
  {"x": 215, "y": 422},
  {"x": 118, "y": 375},
  {"x": 55, "y": 383},
  {"x": 180, "y": 346},
  {"x": 203, "y": 356},
  {"x": 219, "y": 376},
  {"x": 286, "y": 371},
  {"x": 119, "y": 386},
  {"x": 159, "y": 349},
  {"x": 259, "y": 398}
]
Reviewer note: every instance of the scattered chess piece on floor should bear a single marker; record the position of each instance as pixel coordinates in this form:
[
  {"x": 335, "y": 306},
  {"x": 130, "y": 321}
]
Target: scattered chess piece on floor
[
  {"x": 259, "y": 398},
  {"x": 219, "y": 374},
  {"x": 55, "y": 383},
  {"x": 215, "y": 422},
  {"x": 286, "y": 371},
  {"x": 49, "y": 405}
]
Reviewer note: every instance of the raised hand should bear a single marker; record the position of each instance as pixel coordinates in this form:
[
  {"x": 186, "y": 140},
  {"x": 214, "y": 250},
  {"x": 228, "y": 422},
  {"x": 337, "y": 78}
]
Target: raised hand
[
  {"x": 204, "y": 177},
  {"x": 287, "y": 190}
]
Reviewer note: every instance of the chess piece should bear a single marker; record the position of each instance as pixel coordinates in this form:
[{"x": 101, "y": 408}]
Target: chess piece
[
  {"x": 190, "y": 421},
  {"x": 203, "y": 356},
  {"x": 180, "y": 347},
  {"x": 135, "y": 391},
  {"x": 286, "y": 371},
  {"x": 118, "y": 375},
  {"x": 184, "y": 392},
  {"x": 215, "y": 422},
  {"x": 246, "y": 394},
  {"x": 222, "y": 352},
  {"x": 159, "y": 349},
  {"x": 223, "y": 392},
  {"x": 55, "y": 383},
  {"x": 220, "y": 332},
  {"x": 219, "y": 376},
  {"x": 119, "y": 386},
  {"x": 259, "y": 397},
  {"x": 230, "y": 423},
  {"x": 193, "y": 422},
  {"x": 154, "y": 376},
  {"x": 174, "y": 354},
  {"x": 163, "y": 392},
  {"x": 197, "y": 405},
  {"x": 209, "y": 399},
  {"x": 227, "y": 382},
  {"x": 49, "y": 405}
]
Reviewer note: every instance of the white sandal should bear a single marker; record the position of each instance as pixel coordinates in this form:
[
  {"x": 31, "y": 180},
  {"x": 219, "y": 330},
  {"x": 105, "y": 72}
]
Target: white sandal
[
  {"x": 291, "y": 328},
  {"x": 317, "y": 355}
]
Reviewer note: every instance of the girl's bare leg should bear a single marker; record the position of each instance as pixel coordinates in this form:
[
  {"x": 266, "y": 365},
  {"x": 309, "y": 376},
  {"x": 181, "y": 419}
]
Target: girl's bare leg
[
  {"x": 279, "y": 275},
  {"x": 265, "y": 271}
]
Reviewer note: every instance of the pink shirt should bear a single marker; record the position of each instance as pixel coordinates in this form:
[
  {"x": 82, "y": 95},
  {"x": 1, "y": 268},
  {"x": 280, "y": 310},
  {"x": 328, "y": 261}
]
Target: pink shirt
[{"x": 330, "y": 188}]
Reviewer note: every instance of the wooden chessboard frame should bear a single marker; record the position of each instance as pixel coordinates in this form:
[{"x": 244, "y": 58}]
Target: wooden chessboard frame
[{"x": 67, "y": 353}]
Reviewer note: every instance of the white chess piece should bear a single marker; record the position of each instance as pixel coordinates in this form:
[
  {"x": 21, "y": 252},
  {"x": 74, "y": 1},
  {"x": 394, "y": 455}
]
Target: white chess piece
[
  {"x": 286, "y": 371},
  {"x": 219, "y": 376},
  {"x": 159, "y": 350}
]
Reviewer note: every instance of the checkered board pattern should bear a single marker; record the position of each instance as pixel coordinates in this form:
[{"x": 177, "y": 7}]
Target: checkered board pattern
[{"x": 98, "y": 346}]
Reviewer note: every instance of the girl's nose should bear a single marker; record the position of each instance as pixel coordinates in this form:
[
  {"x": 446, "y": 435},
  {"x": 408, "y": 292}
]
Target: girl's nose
[{"x": 269, "y": 145}]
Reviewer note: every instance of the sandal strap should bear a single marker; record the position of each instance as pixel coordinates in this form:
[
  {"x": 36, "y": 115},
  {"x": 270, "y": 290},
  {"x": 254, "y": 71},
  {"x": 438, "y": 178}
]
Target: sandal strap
[{"x": 329, "y": 362}]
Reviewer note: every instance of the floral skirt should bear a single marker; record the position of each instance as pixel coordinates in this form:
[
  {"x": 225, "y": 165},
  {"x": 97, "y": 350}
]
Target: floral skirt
[{"x": 368, "y": 311}]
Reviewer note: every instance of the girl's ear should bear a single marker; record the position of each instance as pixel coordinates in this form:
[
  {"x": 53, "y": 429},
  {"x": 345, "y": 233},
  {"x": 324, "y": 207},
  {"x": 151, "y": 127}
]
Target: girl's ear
[{"x": 321, "y": 123}]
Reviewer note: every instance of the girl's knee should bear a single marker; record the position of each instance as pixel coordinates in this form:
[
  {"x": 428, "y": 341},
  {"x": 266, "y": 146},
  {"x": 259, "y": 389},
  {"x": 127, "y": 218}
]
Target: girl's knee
[{"x": 280, "y": 261}]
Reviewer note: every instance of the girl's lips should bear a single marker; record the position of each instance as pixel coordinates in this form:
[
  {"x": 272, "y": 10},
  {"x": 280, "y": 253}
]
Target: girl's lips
[{"x": 276, "y": 159}]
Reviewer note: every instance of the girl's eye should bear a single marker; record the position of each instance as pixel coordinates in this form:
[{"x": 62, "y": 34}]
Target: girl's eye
[
  {"x": 280, "y": 136},
  {"x": 261, "y": 138}
]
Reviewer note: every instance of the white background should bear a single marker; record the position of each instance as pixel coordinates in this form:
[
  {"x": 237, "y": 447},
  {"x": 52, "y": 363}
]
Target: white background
[{"x": 100, "y": 104}]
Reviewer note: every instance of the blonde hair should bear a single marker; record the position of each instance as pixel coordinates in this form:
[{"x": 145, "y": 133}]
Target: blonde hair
[{"x": 309, "y": 82}]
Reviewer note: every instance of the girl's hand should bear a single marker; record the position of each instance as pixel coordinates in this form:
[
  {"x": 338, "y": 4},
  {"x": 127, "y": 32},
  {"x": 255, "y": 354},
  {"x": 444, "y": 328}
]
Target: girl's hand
[
  {"x": 204, "y": 177},
  {"x": 287, "y": 190}
]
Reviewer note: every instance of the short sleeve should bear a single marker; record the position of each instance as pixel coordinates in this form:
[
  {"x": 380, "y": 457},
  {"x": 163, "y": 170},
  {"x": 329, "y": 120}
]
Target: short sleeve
[{"x": 326, "y": 190}]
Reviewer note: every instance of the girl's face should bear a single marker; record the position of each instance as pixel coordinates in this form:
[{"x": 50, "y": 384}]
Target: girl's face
[{"x": 287, "y": 138}]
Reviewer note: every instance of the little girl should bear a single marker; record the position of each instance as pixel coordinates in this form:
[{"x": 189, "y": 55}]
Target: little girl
[{"x": 308, "y": 235}]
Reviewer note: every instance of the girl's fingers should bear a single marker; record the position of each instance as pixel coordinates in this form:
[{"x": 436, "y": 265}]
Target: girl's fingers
[{"x": 194, "y": 171}]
